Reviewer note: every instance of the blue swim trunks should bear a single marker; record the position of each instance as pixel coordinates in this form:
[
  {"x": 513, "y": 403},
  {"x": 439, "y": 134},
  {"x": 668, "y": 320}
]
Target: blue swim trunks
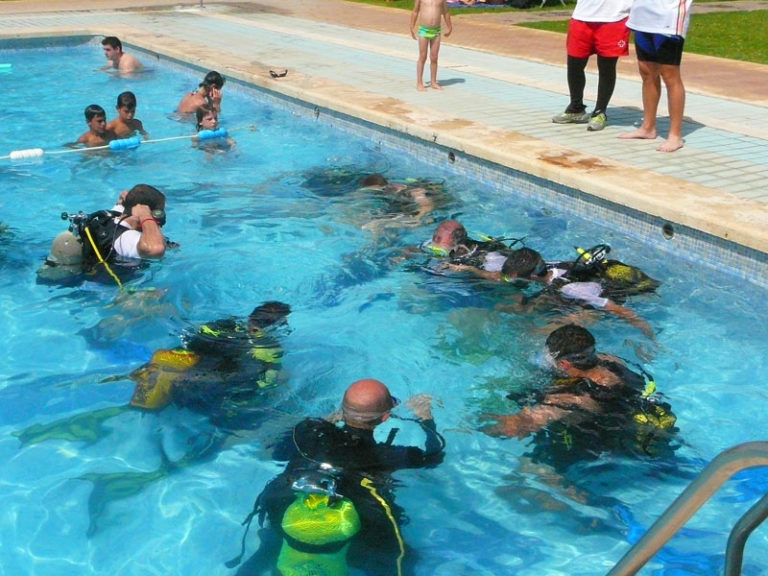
[{"x": 429, "y": 32}]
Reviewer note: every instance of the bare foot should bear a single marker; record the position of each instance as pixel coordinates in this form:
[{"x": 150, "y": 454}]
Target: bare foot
[
  {"x": 671, "y": 144},
  {"x": 639, "y": 134},
  {"x": 421, "y": 88},
  {"x": 436, "y": 86}
]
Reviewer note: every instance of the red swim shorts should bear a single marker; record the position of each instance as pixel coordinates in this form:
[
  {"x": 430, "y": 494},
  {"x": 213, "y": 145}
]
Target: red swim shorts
[{"x": 609, "y": 39}]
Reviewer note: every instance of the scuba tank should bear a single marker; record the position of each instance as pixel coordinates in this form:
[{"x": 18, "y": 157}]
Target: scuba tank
[{"x": 318, "y": 527}]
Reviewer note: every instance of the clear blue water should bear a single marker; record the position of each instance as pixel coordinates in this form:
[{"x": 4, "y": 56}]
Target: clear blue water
[{"x": 249, "y": 231}]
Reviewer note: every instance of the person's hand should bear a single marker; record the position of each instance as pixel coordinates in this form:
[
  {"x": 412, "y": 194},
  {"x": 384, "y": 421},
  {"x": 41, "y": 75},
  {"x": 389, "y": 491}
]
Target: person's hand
[
  {"x": 421, "y": 406},
  {"x": 138, "y": 213},
  {"x": 413, "y": 33},
  {"x": 452, "y": 267},
  {"x": 448, "y": 30},
  {"x": 121, "y": 198}
]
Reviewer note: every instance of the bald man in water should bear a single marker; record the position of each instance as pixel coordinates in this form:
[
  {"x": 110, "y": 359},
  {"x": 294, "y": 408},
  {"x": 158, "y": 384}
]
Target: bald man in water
[{"x": 342, "y": 450}]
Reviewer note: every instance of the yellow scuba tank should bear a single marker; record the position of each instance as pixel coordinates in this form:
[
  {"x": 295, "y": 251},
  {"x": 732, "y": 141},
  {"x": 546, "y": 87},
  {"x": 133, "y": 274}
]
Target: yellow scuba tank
[
  {"x": 154, "y": 380},
  {"x": 319, "y": 529}
]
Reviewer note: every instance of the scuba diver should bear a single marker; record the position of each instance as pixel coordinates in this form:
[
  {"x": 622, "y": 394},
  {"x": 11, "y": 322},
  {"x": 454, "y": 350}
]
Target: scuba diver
[
  {"x": 332, "y": 507},
  {"x": 407, "y": 204},
  {"x": 219, "y": 370},
  {"x": 450, "y": 241},
  {"x": 594, "y": 404},
  {"x": 593, "y": 286},
  {"x": 131, "y": 231}
]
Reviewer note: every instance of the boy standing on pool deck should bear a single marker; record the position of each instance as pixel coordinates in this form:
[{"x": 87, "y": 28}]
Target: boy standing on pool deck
[
  {"x": 660, "y": 27},
  {"x": 427, "y": 13}
]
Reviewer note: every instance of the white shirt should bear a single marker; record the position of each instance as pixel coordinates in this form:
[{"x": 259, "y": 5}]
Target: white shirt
[
  {"x": 669, "y": 17},
  {"x": 127, "y": 244},
  {"x": 601, "y": 10}
]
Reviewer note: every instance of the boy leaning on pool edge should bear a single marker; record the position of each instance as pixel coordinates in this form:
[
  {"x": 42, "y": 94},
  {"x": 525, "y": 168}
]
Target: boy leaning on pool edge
[{"x": 427, "y": 14}]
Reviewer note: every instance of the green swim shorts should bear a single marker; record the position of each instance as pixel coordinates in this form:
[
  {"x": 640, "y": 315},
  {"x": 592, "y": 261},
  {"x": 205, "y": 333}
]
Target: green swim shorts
[{"x": 429, "y": 32}]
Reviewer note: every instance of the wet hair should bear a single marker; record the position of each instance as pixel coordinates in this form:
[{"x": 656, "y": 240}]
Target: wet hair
[
  {"x": 268, "y": 314},
  {"x": 573, "y": 343},
  {"x": 213, "y": 78},
  {"x": 523, "y": 263},
  {"x": 112, "y": 41},
  {"x": 202, "y": 112},
  {"x": 93, "y": 110},
  {"x": 372, "y": 180},
  {"x": 451, "y": 233},
  {"x": 126, "y": 99},
  {"x": 144, "y": 194}
]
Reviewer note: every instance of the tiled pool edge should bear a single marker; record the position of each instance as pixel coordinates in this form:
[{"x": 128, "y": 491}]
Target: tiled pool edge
[{"x": 695, "y": 245}]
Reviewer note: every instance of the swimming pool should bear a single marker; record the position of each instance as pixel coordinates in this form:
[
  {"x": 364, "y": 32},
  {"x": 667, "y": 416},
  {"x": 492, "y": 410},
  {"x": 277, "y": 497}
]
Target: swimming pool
[{"x": 250, "y": 231}]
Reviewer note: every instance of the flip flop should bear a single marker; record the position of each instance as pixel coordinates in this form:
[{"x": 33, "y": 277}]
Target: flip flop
[{"x": 278, "y": 74}]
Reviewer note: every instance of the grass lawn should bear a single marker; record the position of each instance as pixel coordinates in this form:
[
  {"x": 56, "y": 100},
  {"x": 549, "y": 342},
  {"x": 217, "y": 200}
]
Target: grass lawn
[{"x": 723, "y": 34}]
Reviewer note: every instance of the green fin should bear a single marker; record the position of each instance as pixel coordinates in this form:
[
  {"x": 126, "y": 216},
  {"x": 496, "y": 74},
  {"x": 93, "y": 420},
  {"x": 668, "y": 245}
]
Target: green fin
[{"x": 88, "y": 427}]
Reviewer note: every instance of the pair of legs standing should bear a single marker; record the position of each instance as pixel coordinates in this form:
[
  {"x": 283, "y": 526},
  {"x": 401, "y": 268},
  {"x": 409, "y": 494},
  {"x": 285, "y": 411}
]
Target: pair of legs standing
[
  {"x": 658, "y": 58},
  {"x": 609, "y": 40},
  {"x": 429, "y": 44},
  {"x": 577, "y": 81}
]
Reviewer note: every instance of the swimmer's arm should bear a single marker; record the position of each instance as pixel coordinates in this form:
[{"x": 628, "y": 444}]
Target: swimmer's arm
[
  {"x": 630, "y": 317},
  {"x": 424, "y": 202},
  {"x": 486, "y": 274},
  {"x": 151, "y": 243},
  {"x": 524, "y": 423},
  {"x": 554, "y": 407}
]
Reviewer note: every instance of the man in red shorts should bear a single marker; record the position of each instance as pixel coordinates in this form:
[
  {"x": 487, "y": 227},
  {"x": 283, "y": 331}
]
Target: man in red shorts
[{"x": 597, "y": 27}]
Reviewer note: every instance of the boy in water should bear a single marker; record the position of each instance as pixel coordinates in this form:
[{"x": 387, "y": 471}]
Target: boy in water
[
  {"x": 427, "y": 13},
  {"x": 125, "y": 125},
  {"x": 97, "y": 135}
]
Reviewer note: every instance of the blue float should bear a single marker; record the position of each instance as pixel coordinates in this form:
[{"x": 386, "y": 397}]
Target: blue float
[
  {"x": 209, "y": 134},
  {"x": 125, "y": 143}
]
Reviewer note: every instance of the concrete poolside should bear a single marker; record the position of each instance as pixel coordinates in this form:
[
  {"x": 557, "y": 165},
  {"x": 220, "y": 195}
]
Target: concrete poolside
[{"x": 502, "y": 85}]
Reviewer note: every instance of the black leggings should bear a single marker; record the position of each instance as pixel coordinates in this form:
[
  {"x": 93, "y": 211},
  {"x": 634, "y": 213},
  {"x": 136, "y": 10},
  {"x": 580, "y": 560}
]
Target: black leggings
[{"x": 577, "y": 80}]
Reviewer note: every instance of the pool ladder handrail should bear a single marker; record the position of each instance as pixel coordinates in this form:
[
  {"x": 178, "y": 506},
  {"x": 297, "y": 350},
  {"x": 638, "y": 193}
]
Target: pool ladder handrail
[{"x": 723, "y": 467}]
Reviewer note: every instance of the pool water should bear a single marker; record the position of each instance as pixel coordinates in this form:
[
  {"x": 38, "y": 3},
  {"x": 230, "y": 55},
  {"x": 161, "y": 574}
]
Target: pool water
[{"x": 104, "y": 500}]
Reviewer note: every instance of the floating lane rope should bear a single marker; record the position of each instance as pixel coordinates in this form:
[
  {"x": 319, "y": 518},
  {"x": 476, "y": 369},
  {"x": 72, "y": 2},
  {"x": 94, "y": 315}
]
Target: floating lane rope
[{"x": 121, "y": 144}]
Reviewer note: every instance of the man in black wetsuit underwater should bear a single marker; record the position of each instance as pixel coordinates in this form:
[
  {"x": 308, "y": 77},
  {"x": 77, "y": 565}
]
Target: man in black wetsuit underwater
[{"x": 332, "y": 507}]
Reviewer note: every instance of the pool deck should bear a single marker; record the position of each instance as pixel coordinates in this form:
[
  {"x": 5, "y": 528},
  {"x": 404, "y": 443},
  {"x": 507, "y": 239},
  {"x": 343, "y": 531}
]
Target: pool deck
[{"x": 502, "y": 84}]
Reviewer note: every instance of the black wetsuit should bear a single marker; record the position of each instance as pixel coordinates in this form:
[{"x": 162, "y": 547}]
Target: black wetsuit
[{"x": 356, "y": 453}]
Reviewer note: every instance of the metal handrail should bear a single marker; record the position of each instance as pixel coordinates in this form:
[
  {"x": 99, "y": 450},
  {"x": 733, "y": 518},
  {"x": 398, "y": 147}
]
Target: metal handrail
[{"x": 725, "y": 465}]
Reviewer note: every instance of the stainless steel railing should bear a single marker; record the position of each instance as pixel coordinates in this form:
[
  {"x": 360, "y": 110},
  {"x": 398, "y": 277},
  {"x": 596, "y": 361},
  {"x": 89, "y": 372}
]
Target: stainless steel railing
[{"x": 725, "y": 465}]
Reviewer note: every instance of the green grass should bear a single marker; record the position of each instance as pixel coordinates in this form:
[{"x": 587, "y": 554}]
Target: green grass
[
  {"x": 722, "y": 34},
  {"x": 408, "y": 5}
]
